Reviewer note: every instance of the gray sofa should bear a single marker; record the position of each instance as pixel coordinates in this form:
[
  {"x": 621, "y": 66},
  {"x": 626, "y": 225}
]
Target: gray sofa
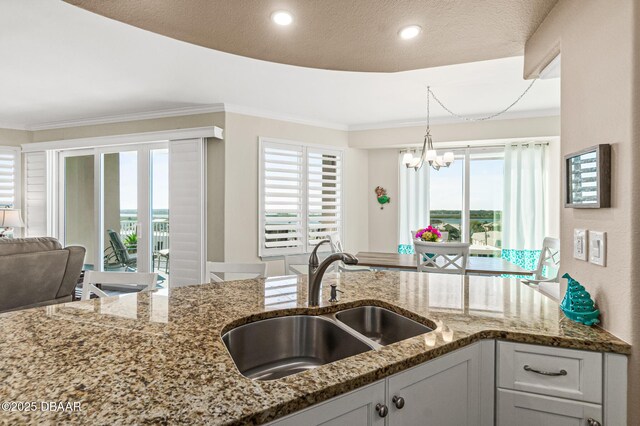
[{"x": 37, "y": 272}]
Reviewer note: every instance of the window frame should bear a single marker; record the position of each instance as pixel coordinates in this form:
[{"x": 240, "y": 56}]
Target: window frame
[
  {"x": 466, "y": 152},
  {"x": 304, "y": 248}
]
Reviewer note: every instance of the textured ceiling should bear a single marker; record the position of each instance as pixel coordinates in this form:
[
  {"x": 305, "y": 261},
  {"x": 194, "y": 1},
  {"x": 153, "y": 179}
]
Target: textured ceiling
[{"x": 348, "y": 35}]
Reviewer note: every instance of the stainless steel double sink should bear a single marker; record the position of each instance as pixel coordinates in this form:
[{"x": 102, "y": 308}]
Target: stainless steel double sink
[{"x": 277, "y": 347}]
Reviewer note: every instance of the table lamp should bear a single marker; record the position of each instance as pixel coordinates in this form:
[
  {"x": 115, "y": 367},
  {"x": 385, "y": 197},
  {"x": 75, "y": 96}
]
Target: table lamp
[{"x": 9, "y": 218}]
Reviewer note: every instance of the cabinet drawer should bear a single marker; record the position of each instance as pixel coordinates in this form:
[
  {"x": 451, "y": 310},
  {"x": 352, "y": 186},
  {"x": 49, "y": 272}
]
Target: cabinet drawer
[
  {"x": 520, "y": 367},
  {"x": 527, "y": 409}
]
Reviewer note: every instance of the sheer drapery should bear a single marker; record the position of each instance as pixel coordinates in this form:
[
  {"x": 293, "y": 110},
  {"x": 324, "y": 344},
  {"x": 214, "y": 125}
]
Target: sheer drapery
[
  {"x": 414, "y": 203},
  {"x": 524, "y": 221}
]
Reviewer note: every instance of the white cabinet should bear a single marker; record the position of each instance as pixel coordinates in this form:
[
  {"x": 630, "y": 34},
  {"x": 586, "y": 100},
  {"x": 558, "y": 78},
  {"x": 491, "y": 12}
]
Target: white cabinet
[
  {"x": 356, "y": 408},
  {"x": 527, "y": 409},
  {"x": 559, "y": 387},
  {"x": 455, "y": 389},
  {"x": 445, "y": 391}
]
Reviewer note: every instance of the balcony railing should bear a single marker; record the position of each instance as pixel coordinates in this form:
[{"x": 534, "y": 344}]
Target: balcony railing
[{"x": 160, "y": 232}]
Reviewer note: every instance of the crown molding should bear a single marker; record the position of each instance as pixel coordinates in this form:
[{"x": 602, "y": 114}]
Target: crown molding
[
  {"x": 13, "y": 126},
  {"x": 512, "y": 115},
  {"x": 177, "y": 112},
  {"x": 121, "y": 118},
  {"x": 254, "y": 112}
]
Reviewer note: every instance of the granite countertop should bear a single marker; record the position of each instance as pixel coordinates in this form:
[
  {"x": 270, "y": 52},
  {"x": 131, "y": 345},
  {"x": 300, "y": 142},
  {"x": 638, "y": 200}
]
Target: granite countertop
[{"x": 158, "y": 357}]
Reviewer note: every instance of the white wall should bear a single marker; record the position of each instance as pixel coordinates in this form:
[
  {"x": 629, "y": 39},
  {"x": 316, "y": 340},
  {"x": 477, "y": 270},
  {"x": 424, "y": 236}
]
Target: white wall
[
  {"x": 241, "y": 183},
  {"x": 600, "y": 103},
  {"x": 383, "y": 223}
]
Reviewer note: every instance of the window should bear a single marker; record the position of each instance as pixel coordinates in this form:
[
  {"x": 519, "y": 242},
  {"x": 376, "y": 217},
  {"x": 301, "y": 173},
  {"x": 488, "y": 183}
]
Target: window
[
  {"x": 495, "y": 198},
  {"x": 466, "y": 208},
  {"x": 446, "y": 199},
  {"x": 9, "y": 177},
  {"x": 300, "y": 196}
]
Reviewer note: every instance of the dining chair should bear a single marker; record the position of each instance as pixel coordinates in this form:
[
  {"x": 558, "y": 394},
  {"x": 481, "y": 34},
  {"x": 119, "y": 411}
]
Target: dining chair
[
  {"x": 444, "y": 258},
  {"x": 135, "y": 280},
  {"x": 549, "y": 259},
  {"x": 219, "y": 272},
  {"x": 337, "y": 247}
]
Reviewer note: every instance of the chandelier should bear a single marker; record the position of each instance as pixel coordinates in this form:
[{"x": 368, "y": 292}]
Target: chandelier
[{"x": 429, "y": 153}]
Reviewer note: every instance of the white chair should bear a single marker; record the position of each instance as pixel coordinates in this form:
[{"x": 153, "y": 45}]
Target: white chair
[
  {"x": 549, "y": 258},
  {"x": 235, "y": 271},
  {"x": 298, "y": 264},
  {"x": 443, "y": 258},
  {"x": 337, "y": 247},
  {"x": 120, "y": 279}
]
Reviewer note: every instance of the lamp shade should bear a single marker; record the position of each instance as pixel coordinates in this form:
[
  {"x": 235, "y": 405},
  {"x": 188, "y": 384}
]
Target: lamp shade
[
  {"x": 407, "y": 158},
  {"x": 10, "y": 218},
  {"x": 448, "y": 157}
]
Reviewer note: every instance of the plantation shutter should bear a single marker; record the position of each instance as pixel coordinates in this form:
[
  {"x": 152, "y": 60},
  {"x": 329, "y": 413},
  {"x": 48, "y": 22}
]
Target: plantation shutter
[
  {"x": 36, "y": 194},
  {"x": 324, "y": 194},
  {"x": 300, "y": 197},
  {"x": 187, "y": 204},
  {"x": 281, "y": 199},
  {"x": 9, "y": 177}
]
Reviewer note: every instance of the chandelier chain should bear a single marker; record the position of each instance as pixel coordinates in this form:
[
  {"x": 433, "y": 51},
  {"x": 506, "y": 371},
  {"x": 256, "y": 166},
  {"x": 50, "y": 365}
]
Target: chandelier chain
[{"x": 461, "y": 117}]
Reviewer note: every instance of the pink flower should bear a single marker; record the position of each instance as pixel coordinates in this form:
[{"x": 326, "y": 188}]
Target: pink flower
[{"x": 430, "y": 233}]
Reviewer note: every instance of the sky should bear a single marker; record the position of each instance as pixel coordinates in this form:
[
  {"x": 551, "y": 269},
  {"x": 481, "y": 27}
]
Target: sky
[
  {"x": 129, "y": 180},
  {"x": 486, "y": 186}
]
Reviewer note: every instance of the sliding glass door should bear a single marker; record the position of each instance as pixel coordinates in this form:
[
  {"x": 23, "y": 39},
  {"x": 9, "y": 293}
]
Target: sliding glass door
[
  {"x": 122, "y": 219},
  {"x": 486, "y": 187},
  {"x": 114, "y": 202},
  {"x": 160, "y": 210},
  {"x": 77, "y": 202}
]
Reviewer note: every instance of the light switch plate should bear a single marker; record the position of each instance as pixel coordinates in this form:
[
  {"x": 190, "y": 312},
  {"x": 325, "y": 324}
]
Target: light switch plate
[
  {"x": 580, "y": 244},
  {"x": 598, "y": 248}
]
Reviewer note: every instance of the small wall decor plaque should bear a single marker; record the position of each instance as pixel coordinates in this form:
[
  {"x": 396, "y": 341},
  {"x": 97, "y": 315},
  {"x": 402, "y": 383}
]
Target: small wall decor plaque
[
  {"x": 382, "y": 196},
  {"x": 587, "y": 178}
]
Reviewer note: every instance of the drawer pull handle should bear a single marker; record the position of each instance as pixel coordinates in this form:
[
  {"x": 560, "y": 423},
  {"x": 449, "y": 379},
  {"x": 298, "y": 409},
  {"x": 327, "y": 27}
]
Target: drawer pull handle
[
  {"x": 593, "y": 422},
  {"x": 545, "y": 373}
]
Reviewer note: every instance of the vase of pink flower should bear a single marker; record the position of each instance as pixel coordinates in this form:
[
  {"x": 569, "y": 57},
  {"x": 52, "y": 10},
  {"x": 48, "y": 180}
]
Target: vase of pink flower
[{"x": 429, "y": 234}]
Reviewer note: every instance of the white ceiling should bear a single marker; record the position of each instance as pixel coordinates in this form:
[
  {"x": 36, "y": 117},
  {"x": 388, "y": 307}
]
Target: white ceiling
[{"x": 60, "y": 63}]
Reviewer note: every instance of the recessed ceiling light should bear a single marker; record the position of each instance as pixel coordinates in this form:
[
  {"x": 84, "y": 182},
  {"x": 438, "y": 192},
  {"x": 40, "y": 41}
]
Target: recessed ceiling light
[
  {"x": 409, "y": 32},
  {"x": 282, "y": 17}
]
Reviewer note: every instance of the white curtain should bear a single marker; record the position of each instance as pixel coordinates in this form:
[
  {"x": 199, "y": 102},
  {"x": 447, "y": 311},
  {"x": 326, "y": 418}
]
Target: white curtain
[
  {"x": 524, "y": 221},
  {"x": 414, "y": 201}
]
